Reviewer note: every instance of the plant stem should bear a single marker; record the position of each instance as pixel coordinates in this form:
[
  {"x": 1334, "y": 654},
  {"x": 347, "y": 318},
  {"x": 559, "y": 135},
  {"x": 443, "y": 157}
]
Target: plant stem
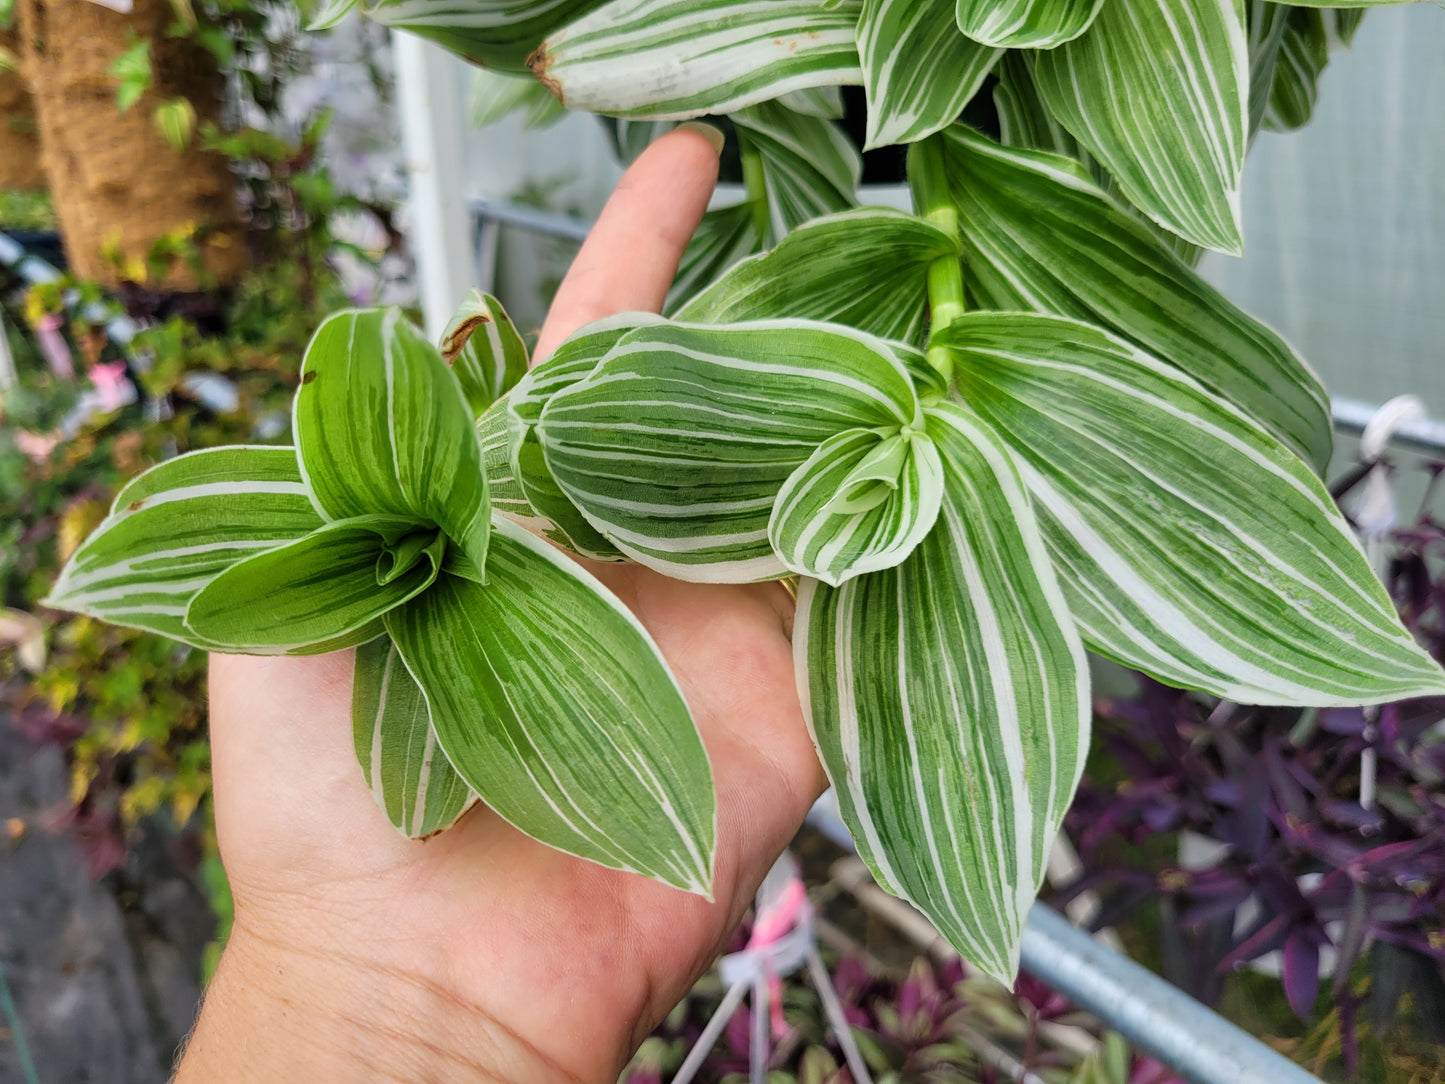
[
  {"x": 929, "y": 179},
  {"x": 757, "y": 187}
]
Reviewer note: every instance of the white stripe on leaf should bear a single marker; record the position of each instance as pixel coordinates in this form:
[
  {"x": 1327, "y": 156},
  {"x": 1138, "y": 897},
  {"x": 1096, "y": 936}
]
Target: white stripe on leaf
[
  {"x": 949, "y": 701},
  {"x": 413, "y": 784},
  {"x": 581, "y": 739},
  {"x": 1193, "y": 545}
]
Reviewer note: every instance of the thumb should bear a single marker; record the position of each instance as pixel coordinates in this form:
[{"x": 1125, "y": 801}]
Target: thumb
[{"x": 629, "y": 259}]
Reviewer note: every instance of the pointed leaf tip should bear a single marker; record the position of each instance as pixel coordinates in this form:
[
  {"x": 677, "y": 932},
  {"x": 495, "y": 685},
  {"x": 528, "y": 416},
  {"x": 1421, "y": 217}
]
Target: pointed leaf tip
[
  {"x": 544, "y": 667},
  {"x": 861, "y": 502},
  {"x": 382, "y": 428}
]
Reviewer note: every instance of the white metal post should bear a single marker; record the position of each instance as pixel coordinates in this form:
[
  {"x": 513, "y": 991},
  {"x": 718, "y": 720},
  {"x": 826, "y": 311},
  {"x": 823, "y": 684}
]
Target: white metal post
[{"x": 432, "y": 129}]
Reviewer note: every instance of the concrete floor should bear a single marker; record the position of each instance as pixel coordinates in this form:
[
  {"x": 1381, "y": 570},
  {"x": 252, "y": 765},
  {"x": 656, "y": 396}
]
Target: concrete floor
[{"x": 104, "y": 975}]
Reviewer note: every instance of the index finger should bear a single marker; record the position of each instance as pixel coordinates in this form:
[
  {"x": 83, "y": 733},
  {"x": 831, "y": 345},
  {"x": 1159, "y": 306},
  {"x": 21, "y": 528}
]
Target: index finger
[{"x": 629, "y": 259}]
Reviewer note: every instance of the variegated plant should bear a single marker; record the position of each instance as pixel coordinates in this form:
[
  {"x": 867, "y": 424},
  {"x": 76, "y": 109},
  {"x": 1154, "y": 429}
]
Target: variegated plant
[
  {"x": 1165, "y": 95},
  {"x": 488, "y": 665},
  {"x": 1131, "y": 469},
  {"x": 982, "y": 438}
]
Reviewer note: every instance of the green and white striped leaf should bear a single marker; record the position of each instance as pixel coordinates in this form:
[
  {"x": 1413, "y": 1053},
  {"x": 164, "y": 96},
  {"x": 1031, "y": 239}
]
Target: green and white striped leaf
[
  {"x": 1158, "y": 91},
  {"x": 1025, "y": 122},
  {"x": 676, "y": 445},
  {"x": 948, "y": 698},
  {"x": 1026, "y": 24},
  {"x": 552, "y": 515},
  {"x": 494, "y": 33},
  {"x": 577, "y": 356},
  {"x": 556, "y": 708},
  {"x": 1192, "y": 545},
  {"x": 826, "y": 102},
  {"x": 382, "y": 428},
  {"x": 919, "y": 71},
  {"x": 409, "y": 776},
  {"x": 496, "y": 95},
  {"x": 631, "y": 137},
  {"x": 725, "y": 236},
  {"x": 484, "y": 350},
  {"x": 331, "y": 14},
  {"x": 505, "y": 491},
  {"x": 1266, "y": 22},
  {"x": 810, "y": 167},
  {"x": 866, "y": 269},
  {"x": 1347, "y": 20},
  {"x": 323, "y": 588},
  {"x": 176, "y": 527},
  {"x": 1038, "y": 234},
  {"x": 863, "y": 501},
  {"x": 1304, "y": 51},
  {"x": 683, "y": 58}
]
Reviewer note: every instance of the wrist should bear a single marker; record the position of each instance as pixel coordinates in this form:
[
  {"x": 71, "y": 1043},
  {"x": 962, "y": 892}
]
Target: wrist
[{"x": 277, "y": 1012}]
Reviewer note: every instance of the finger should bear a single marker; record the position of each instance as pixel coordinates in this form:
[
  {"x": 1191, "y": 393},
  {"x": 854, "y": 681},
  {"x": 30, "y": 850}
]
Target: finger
[{"x": 629, "y": 259}]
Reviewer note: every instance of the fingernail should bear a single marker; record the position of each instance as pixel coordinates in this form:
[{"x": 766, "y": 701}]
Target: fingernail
[{"x": 709, "y": 132}]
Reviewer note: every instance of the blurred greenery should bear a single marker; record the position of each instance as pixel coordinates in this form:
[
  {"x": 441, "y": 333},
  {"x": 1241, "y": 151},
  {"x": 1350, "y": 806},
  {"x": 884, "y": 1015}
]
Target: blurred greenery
[
  {"x": 130, "y": 706},
  {"x": 26, "y": 210}
]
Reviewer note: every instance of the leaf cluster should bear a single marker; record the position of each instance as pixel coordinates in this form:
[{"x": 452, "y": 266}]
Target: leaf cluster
[{"x": 985, "y": 436}]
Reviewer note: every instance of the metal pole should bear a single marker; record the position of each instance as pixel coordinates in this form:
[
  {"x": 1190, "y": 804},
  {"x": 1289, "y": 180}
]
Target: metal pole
[
  {"x": 1418, "y": 434},
  {"x": 432, "y": 131},
  {"x": 531, "y": 218},
  {"x": 1191, "y": 1039}
]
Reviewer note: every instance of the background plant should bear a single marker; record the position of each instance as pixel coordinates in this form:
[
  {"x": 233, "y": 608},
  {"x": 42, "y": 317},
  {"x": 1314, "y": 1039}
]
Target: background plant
[
  {"x": 128, "y": 705},
  {"x": 1303, "y": 868},
  {"x": 212, "y": 367},
  {"x": 923, "y": 1023}
]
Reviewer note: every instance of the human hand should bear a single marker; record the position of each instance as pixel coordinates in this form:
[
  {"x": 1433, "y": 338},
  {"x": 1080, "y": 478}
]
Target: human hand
[{"x": 482, "y": 954}]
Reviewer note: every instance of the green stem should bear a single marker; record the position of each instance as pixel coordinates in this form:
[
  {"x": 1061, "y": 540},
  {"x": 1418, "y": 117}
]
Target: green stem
[
  {"x": 756, "y": 184},
  {"x": 928, "y": 177}
]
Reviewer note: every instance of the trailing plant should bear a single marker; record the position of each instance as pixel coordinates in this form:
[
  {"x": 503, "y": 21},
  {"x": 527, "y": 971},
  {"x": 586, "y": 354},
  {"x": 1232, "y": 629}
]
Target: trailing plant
[
  {"x": 1328, "y": 841},
  {"x": 983, "y": 436}
]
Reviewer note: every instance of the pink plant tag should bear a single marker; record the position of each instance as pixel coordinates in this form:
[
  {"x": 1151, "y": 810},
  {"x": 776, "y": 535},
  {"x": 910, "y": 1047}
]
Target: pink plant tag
[{"x": 54, "y": 346}]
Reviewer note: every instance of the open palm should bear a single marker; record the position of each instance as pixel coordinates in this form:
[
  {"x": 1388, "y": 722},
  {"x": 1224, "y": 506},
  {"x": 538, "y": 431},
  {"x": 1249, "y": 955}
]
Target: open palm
[{"x": 480, "y": 953}]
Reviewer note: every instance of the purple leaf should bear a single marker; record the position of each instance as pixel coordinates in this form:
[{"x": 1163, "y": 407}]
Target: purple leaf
[
  {"x": 852, "y": 979},
  {"x": 1347, "y": 721},
  {"x": 1266, "y": 936},
  {"x": 1301, "y": 973},
  {"x": 1351, "y": 814},
  {"x": 1225, "y": 792},
  {"x": 1205, "y": 909}
]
